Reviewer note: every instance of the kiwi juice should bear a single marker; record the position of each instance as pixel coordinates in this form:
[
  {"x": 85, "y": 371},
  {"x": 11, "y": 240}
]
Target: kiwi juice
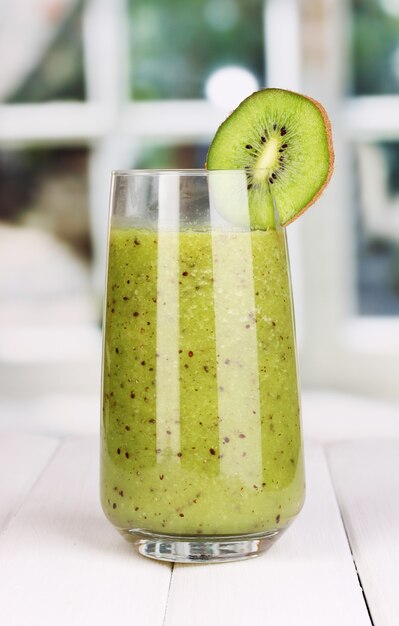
[{"x": 201, "y": 417}]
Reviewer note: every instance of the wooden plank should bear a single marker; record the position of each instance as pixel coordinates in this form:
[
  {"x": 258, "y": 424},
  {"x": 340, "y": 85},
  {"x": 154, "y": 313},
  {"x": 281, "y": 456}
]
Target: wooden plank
[
  {"x": 59, "y": 415},
  {"x": 330, "y": 416},
  {"x": 366, "y": 479},
  {"x": 307, "y": 577},
  {"x": 22, "y": 459},
  {"x": 64, "y": 564}
]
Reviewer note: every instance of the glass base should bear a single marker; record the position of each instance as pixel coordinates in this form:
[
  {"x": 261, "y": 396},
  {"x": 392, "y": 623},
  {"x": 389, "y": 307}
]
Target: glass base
[{"x": 206, "y": 549}]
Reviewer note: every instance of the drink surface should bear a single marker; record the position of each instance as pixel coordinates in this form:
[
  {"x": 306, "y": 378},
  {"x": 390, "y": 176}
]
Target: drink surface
[{"x": 201, "y": 418}]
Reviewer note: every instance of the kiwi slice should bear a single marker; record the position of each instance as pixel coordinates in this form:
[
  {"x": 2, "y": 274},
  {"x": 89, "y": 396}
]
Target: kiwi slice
[{"x": 283, "y": 142}]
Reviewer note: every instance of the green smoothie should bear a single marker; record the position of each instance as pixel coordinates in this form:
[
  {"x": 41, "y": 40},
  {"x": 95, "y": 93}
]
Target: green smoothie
[{"x": 201, "y": 418}]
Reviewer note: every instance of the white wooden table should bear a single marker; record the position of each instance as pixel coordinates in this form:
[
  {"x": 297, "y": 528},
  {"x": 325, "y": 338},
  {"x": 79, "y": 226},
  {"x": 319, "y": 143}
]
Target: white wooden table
[{"x": 61, "y": 563}]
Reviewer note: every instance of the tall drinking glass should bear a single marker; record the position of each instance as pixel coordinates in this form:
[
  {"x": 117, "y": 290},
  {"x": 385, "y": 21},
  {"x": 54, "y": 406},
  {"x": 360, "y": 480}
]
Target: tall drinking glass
[{"x": 201, "y": 455}]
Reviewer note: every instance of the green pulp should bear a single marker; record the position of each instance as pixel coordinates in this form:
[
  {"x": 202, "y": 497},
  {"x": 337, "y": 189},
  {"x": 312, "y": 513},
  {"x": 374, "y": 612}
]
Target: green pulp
[{"x": 201, "y": 418}]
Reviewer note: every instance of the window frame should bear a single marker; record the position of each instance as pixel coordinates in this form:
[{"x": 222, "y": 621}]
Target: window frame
[
  {"x": 344, "y": 350},
  {"x": 335, "y": 346}
]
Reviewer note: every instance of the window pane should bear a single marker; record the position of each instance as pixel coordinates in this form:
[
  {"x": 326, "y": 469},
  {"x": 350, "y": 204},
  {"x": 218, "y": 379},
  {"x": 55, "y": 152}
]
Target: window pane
[
  {"x": 44, "y": 238},
  {"x": 175, "y": 157},
  {"x": 50, "y": 64},
  {"x": 378, "y": 229},
  {"x": 175, "y": 46},
  {"x": 375, "y": 47}
]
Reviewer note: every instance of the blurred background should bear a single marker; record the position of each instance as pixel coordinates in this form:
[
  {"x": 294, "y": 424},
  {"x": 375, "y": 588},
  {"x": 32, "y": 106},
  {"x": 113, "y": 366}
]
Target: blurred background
[{"x": 91, "y": 86}]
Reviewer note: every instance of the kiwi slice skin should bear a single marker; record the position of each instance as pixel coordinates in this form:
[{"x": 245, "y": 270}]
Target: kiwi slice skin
[{"x": 283, "y": 141}]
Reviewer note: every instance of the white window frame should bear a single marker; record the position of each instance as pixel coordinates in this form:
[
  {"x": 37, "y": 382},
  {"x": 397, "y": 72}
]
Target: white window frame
[
  {"x": 335, "y": 344},
  {"x": 342, "y": 349}
]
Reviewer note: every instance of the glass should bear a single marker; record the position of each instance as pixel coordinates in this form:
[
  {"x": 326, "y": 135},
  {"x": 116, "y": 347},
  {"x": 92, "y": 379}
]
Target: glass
[
  {"x": 184, "y": 156},
  {"x": 377, "y": 228},
  {"x": 375, "y": 47},
  {"x": 45, "y": 243},
  {"x": 201, "y": 439},
  {"x": 175, "y": 46},
  {"x": 59, "y": 73},
  {"x": 48, "y": 189}
]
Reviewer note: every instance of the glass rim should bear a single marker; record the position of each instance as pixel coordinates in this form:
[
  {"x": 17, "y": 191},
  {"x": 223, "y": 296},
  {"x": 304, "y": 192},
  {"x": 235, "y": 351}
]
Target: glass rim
[{"x": 181, "y": 172}]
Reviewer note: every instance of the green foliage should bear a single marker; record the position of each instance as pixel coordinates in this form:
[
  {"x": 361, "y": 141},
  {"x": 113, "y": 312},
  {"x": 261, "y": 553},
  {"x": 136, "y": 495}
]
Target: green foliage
[
  {"x": 375, "y": 39},
  {"x": 176, "y": 45},
  {"x": 59, "y": 75}
]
